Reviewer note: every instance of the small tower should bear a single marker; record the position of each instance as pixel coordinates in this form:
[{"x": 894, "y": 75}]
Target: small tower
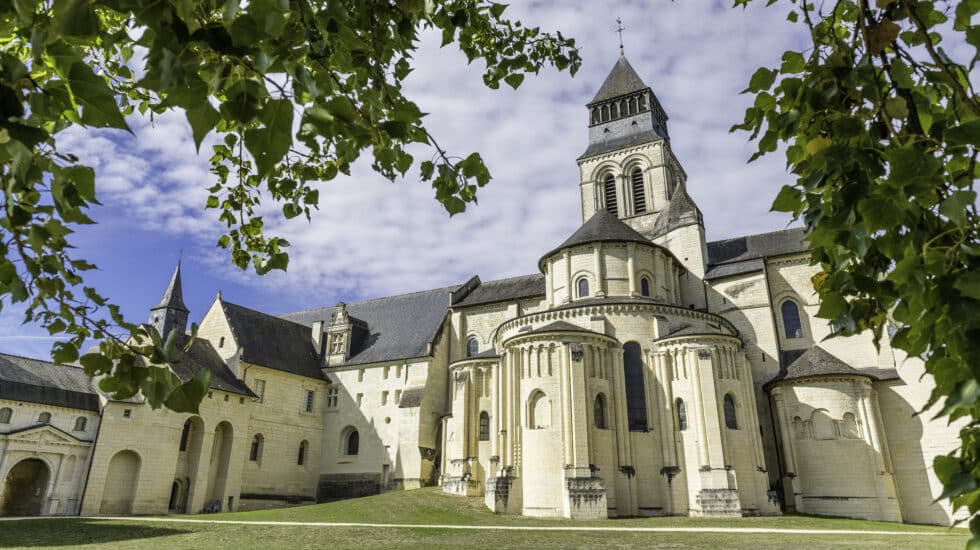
[{"x": 171, "y": 313}]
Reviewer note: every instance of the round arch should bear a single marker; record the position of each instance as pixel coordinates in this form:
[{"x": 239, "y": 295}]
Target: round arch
[
  {"x": 121, "y": 483},
  {"x": 25, "y": 488}
]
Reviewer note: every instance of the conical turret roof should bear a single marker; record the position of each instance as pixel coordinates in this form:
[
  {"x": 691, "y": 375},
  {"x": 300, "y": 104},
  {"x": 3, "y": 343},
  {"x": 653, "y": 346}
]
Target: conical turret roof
[
  {"x": 603, "y": 226},
  {"x": 622, "y": 80},
  {"x": 173, "y": 298}
]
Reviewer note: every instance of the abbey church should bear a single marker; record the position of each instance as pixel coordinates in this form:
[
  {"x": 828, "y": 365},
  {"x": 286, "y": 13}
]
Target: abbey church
[{"x": 638, "y": 371}]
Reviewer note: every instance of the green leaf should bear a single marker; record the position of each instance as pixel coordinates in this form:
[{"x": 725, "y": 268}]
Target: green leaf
[
  {"x": 514, "y": 80},
  {"x": 965, "y": 134},
  {"x": 954, "y": 207},
  {"x": 187, "y": 397},
  {"x": 761, "y": 80},
  {"x": 269, "y": 144},
  {"x": 202, "y": 119},
  {"x": 788, "y": 200},
  {"x": 969, "y": 285},
  {"x": 64, "y": 352},
  {"x": 95, "y": 363},
  {"x": 98, "y": 103},
  {"x": 793, "y": 63},
  {"x": 75, "y": 18}
]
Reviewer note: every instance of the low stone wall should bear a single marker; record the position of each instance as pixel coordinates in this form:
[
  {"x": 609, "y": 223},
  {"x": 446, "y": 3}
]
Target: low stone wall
[
  {"x": 717, "y": 503},
  {"x": 340, "y": 486},
  {"x": 586, "y": 498}
]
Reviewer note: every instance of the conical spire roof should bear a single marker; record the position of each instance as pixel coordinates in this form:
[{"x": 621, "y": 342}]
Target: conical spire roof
[
  {"x": 622, "y": 80},
  {"x": 603, "y": 226},
  {"x": 173, "y": 298}
]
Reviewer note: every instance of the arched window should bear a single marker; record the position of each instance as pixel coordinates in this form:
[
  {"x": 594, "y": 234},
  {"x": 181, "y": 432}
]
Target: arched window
[
  {"x": 645, "y": 286},
  {"x": 823, "y": 425},
  {"x": 484, "y": 426},
  {"x": 849, "y": 427},
  {"x": 681, "y": 415},
  {"x": 255, "y": 452},
  {"x": 80, "y": 423},
  {"x": 791, "y": 320},
  {"x": 643, "y": 103},
  {"x": 539, "y": 411},
  {"x": 731, "y": 420},
  {"x": 301, "y": 458},
  {"x": 636, "y": 403},
  {"x": 185, "y": 435},
  {"x": 595, "y": 115},
  {"x": 636, "y": 105},
  {"x": 583, "y": 287},
  {"x": 44, "y": 418},
  {"x": 615, "y": 110},
  {"x": 5, "y": 414},
  {"x": 353, "y": 443},
  {"x": 639, "y": 197},
  {"x": 472, "y": 347},
  {"x": 609, "y": 194},
  {"x": 600, "y": 412},
  {"x": 605, "y": 113}
]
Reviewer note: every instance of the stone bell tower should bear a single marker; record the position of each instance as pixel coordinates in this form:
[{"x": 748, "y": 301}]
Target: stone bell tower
[
  {"x": 629, "y": 169},
  {"x": 170, "y": 313}
]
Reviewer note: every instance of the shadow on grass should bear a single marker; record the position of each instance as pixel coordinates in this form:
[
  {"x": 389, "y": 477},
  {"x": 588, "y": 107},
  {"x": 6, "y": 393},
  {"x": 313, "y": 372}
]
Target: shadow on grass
[{"x": 42, "y": 533}]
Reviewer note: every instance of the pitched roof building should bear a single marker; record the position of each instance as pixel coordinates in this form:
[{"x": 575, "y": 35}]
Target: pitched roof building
[{"x": 642, "y": 370}]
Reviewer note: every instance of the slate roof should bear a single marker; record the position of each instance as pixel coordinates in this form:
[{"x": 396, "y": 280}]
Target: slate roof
[
  {"x": 680, "y": 211},
  {"x": 622, "y": 80},
  {"x": 398, "y": 327},
  {"x": 744, "y": 254},
  {"x": 504, "y": 290},
  {"x": 173, "y": 298},
  {"x": 612, "y": 144},
  {"x": 817, "y": 361},
  {"x": 557, "y": 326},
  {"x": 411, "y": 397},
  {"x": 601, "y": 227},
  {"x": 43, "y": 382},
  {"x": 690, "y": 330},
  {"x": 202, "y": 355},
  {"x": 273, "y": 342}
]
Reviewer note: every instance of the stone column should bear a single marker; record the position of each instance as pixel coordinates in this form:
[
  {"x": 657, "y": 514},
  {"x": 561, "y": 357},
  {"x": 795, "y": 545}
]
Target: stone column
[
  {"x": 696, "y": 412},
  {"x": 792, "y": 495},
  {"x": 600, "y": 271},
  {"x": 631, "y": 267}
]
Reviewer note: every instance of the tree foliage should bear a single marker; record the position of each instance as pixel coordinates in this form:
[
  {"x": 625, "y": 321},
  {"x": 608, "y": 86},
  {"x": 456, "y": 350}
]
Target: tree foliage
[
  {"x": 295, "y": 90},
  {"x": 881, "y": 127}
]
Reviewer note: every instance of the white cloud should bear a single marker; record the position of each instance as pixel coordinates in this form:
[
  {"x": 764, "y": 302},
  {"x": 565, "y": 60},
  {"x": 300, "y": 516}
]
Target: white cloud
[{"x": 372, "y": 237}]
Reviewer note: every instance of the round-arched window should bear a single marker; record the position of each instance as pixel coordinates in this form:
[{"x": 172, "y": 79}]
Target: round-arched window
[
  {"x": 731, "y": 420},
  {"x": 645, "y": 287},
  {"x": 681, "y": 415},
  {"x": 600, "y": 412},
  {"x": 353, "y": 443},
  {"x": 792, "y": 325},
  {"x": 472, "y": 347},
  {"x": 583, "y": 287}
]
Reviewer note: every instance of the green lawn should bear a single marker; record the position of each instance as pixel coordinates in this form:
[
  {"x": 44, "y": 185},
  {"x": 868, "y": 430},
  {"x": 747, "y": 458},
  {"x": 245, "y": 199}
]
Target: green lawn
[{"x": 429, "y": 506}]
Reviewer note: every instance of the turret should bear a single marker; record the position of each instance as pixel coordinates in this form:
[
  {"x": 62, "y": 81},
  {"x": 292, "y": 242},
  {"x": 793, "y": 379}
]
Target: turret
[{"x": 171, "y": 313}]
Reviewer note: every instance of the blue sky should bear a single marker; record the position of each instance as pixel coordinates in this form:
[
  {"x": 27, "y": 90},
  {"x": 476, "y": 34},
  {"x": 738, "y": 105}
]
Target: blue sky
[{"x": 373, "y": 238}]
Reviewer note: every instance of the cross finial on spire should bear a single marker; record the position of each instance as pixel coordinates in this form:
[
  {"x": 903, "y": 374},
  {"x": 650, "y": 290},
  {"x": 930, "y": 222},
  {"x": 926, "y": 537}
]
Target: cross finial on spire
[{"x": 619, "y": 29}]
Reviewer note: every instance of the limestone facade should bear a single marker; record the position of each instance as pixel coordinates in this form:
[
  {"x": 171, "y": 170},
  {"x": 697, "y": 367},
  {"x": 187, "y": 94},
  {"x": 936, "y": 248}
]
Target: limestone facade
[{"x": 643, "y": 372}]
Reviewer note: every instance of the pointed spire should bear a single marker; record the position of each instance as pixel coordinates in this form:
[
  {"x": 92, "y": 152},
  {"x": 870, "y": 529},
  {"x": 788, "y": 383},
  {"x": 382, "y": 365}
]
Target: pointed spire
[
  {"x": 622, "y": 80},
  {"x": 173, "y": 298}
]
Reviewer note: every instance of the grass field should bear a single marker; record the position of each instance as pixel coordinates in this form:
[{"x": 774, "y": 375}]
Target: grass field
[{"x": 429, "y": 506}]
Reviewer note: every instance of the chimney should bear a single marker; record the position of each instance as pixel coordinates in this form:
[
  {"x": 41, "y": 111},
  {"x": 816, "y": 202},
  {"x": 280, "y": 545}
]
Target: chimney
[{"x": 318, "y": 337}]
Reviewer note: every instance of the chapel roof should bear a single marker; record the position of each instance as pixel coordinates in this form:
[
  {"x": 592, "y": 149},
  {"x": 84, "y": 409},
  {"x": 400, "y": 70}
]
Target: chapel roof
[
  {"x": 397, "y": 327},
  {"x": 173, "y": 298},
  {"x": 622, "y": 80},
  {"x": 557, "y": 326},
  {"x": 744, "y": 254},
  {"x": 601, "y": 227},
  {"x": 504, "y": 290},
  {"x": 817, "y": 361}
]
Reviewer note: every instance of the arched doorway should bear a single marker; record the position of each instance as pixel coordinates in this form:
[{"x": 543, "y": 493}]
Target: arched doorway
[
  {"x": 220, "y": 460},
  {"x": 25, "y": 488},
  {"x": 120, "y": 484}
]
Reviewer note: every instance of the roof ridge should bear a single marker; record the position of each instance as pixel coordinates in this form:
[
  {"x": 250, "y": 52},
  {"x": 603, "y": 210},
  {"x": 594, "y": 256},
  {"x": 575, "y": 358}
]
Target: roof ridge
[
  {"x": 449, "y": 288},
  {"x": 512, "y": 278},
  {"x": 269, "y": 315},
  {"x": 756, "y": 234},
  {"x": 52, "y": 363}
]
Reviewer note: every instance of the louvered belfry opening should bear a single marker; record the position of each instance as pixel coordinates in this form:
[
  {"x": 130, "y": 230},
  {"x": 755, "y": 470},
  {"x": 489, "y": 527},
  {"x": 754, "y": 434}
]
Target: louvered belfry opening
[
  {"x": 639, "y": 197},
  {"x": 609, "y": 192}
]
